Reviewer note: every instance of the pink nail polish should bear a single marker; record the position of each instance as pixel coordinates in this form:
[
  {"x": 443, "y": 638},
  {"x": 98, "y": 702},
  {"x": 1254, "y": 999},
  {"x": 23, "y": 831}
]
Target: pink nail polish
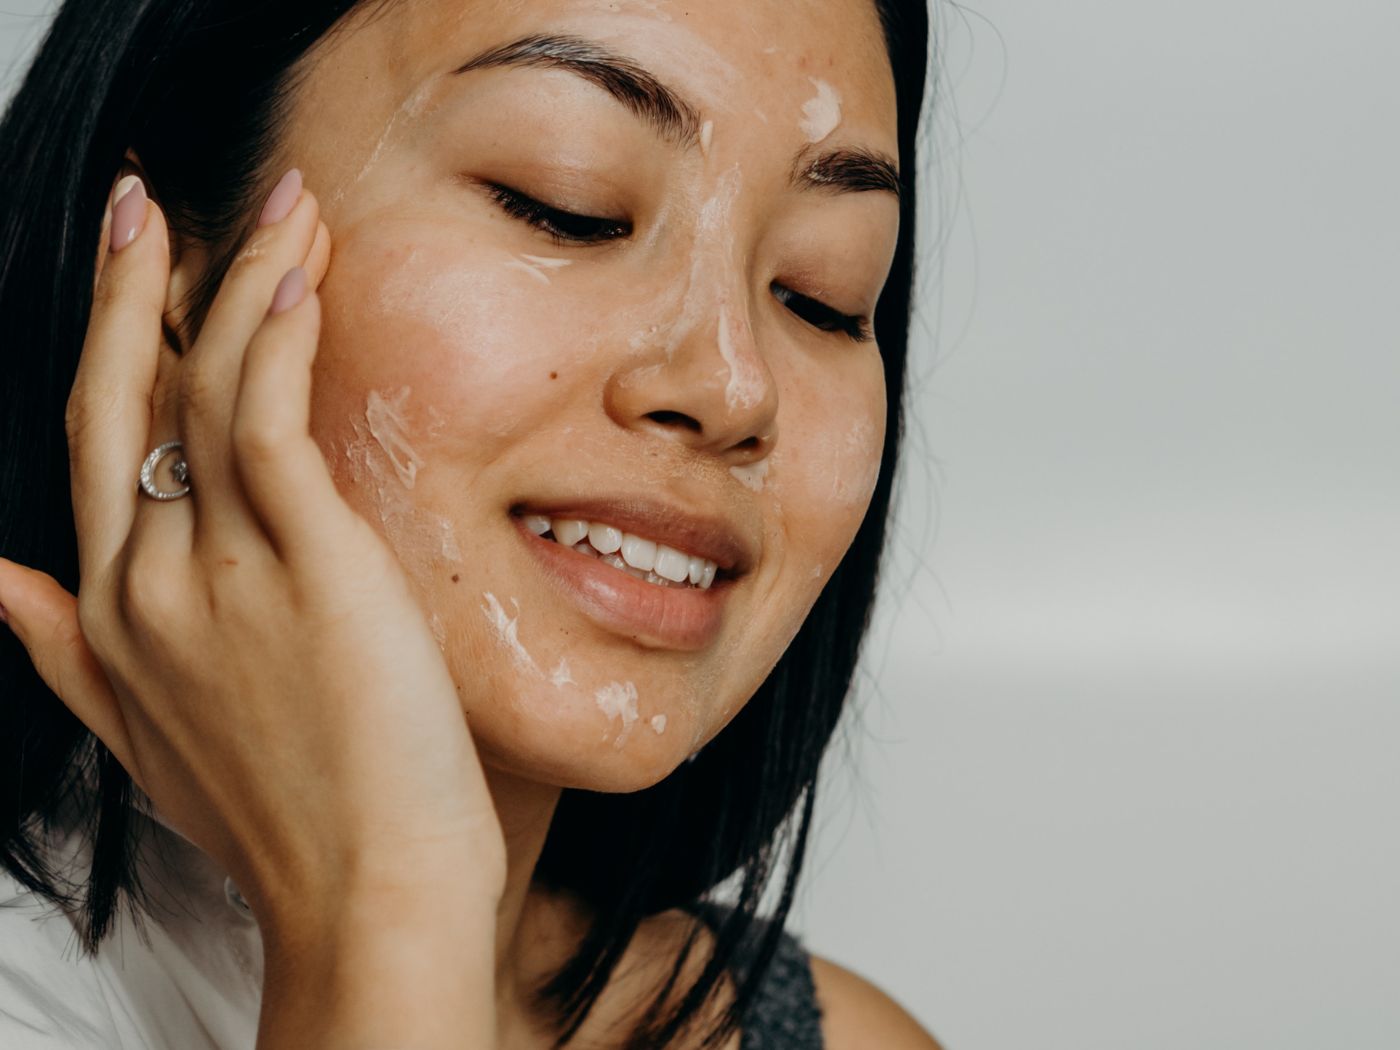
[
  {"x": 290, "y": 291},
  {"x": 129, "y": 215},
  {"x": 283, "y": 199}
]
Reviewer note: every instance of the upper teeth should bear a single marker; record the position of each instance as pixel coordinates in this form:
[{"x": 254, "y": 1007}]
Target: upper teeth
[{"x": 649, "y": 558}]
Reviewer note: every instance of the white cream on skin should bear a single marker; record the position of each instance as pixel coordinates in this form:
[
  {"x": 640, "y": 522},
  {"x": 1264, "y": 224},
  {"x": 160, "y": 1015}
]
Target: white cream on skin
[
  {"x": 747, "y": 384},
  {"x": 753, "y": 475},
  {"x": 385, "y": 416},
  {"x": 855, "y": 464},
  {"x": 384, "y": 462},
  {"x": 410, "y": 108},
  {"x": 821, "y": 114},
  {"x": 560, "y": 676},
  {"x": 507, "y": 630},
  {"x": 537, "y": 266},
  {"x": 618, "y": 700}
]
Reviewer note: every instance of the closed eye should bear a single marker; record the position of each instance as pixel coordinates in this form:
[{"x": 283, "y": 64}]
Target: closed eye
[
  {"x": 564, "y": 227},
  {"x": 823, "y": 317}
]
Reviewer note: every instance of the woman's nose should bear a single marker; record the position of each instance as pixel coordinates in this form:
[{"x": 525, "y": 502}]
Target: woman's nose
[{"x": 708, "y": 387}]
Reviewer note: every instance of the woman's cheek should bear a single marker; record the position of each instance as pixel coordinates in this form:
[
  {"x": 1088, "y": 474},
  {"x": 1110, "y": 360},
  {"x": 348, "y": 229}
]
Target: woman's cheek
[
  {"x": 435, "y": 357},
  {"x": 824, "y": 470}
]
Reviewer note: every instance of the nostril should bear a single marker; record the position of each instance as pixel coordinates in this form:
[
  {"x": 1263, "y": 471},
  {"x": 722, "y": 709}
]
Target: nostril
[{"x": 668, "y": 418}]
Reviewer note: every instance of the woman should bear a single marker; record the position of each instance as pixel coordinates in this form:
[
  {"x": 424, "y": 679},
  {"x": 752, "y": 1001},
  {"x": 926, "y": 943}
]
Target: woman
[{"x": 516, "y": 429}]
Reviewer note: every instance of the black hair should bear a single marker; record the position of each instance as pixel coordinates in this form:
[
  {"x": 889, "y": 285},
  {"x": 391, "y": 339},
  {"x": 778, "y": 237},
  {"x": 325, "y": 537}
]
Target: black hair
[{"x": 199, "y": 90}]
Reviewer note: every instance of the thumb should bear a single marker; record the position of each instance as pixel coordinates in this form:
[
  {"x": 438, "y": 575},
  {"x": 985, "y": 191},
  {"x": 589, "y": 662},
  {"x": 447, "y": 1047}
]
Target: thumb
[{"x": 44, "y": 617}]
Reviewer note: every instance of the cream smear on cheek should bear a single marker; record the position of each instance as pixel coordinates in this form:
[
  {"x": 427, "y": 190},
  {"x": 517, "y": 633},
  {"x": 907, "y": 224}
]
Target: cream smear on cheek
[
  {"x": 384, "y": 462},
  {"x": 855, "y": 464},
  {"x": 537, "y": 266},
  {"x": 507, "y": 631}
]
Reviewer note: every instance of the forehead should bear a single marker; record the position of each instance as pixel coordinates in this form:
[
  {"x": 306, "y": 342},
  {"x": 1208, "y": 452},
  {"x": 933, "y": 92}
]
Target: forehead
[{"x": 731, "y": 58}]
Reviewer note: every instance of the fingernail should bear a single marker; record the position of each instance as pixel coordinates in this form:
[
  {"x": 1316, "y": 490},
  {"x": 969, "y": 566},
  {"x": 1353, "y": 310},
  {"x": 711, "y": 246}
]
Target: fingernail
[
  {"x": 290, "y": 291},
  {"x": 129, "y": 213},
  {"x": 283, "y": 199}
]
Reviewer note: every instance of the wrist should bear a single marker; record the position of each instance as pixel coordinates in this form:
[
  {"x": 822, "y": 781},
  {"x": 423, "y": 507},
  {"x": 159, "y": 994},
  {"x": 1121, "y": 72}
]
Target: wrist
[{"x": 399, "y": 967}]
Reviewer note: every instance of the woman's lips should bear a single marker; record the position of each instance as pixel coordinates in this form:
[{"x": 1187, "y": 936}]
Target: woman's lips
[{"x": 684, "y": 618}]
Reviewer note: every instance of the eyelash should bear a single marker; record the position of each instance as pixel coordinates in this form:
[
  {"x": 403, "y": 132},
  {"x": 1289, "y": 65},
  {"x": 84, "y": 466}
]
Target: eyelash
[
  {"x": 819, "y": 315},
  {"x": 565, "y": 227}
]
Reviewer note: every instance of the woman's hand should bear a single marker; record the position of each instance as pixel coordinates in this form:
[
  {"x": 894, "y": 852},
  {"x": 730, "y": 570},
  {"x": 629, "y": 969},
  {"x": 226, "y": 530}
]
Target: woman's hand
[{"x": 252, "y": 654}]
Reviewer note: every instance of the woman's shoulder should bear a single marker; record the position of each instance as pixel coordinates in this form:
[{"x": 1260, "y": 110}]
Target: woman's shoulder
[
  {"x": 856, "y": 1013},
  {"x": 809, "y": 1000}
]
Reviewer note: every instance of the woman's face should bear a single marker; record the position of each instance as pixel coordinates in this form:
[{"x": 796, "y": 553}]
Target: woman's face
[{"x": 671, "y": 366}]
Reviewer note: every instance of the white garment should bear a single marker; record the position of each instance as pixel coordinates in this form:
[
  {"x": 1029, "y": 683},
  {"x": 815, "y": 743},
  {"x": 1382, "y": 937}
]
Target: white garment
[{"x": 195, "y": 984}]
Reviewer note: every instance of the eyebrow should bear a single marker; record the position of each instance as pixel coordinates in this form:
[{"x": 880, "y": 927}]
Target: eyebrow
[
  {"x": 849, "y": 170},
  {"x": 620, "y": 77},
  {"x": 842, "y": 170}
]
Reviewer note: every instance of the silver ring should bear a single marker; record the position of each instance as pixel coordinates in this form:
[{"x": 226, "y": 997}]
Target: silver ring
[{"x": 179, "y": 471}]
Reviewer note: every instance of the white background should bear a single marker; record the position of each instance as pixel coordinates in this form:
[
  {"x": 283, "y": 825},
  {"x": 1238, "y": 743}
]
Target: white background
[{"x": 1122, "y": 768}]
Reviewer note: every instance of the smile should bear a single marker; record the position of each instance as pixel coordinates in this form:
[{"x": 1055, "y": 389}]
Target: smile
[{"x": 643, "y": 558}]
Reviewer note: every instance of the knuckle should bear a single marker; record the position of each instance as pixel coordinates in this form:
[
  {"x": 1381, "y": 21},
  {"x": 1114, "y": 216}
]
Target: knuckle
[
  {"x": 256, "y": 444},
  {"x": 256, "y": 441},
  {"x": 148, "y": 595}
]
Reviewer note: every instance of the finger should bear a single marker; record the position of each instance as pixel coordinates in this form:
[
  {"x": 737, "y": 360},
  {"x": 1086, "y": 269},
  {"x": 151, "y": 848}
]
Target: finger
[
  {"x": 166, "y": 526},
  {"x": 210, "y": 371},
  {"x": 281, "y": 466},
  {"x": 108, "y": 415},
  {"x": 45, "y": 619},
  {"x": 318, "y": 260}
]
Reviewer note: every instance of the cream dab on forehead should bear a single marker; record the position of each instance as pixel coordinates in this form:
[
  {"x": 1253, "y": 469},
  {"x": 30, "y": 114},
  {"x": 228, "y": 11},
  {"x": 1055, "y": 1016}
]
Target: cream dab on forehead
[{"x": 821, "y": 113}]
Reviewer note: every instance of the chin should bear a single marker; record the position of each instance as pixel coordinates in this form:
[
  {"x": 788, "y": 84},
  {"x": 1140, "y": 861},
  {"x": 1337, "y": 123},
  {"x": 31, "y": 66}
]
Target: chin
[{"x": 625, "y": 735}]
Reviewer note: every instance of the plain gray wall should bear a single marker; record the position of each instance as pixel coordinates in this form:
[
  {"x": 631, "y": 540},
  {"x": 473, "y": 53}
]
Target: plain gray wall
[{"x": 1121, "y": 770}]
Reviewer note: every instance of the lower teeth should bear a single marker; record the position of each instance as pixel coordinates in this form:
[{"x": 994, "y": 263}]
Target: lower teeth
[{"x": 615, "y": 560}]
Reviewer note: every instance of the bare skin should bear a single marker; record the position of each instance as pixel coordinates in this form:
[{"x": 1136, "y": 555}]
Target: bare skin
[{"x": 449, "y": 364}]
